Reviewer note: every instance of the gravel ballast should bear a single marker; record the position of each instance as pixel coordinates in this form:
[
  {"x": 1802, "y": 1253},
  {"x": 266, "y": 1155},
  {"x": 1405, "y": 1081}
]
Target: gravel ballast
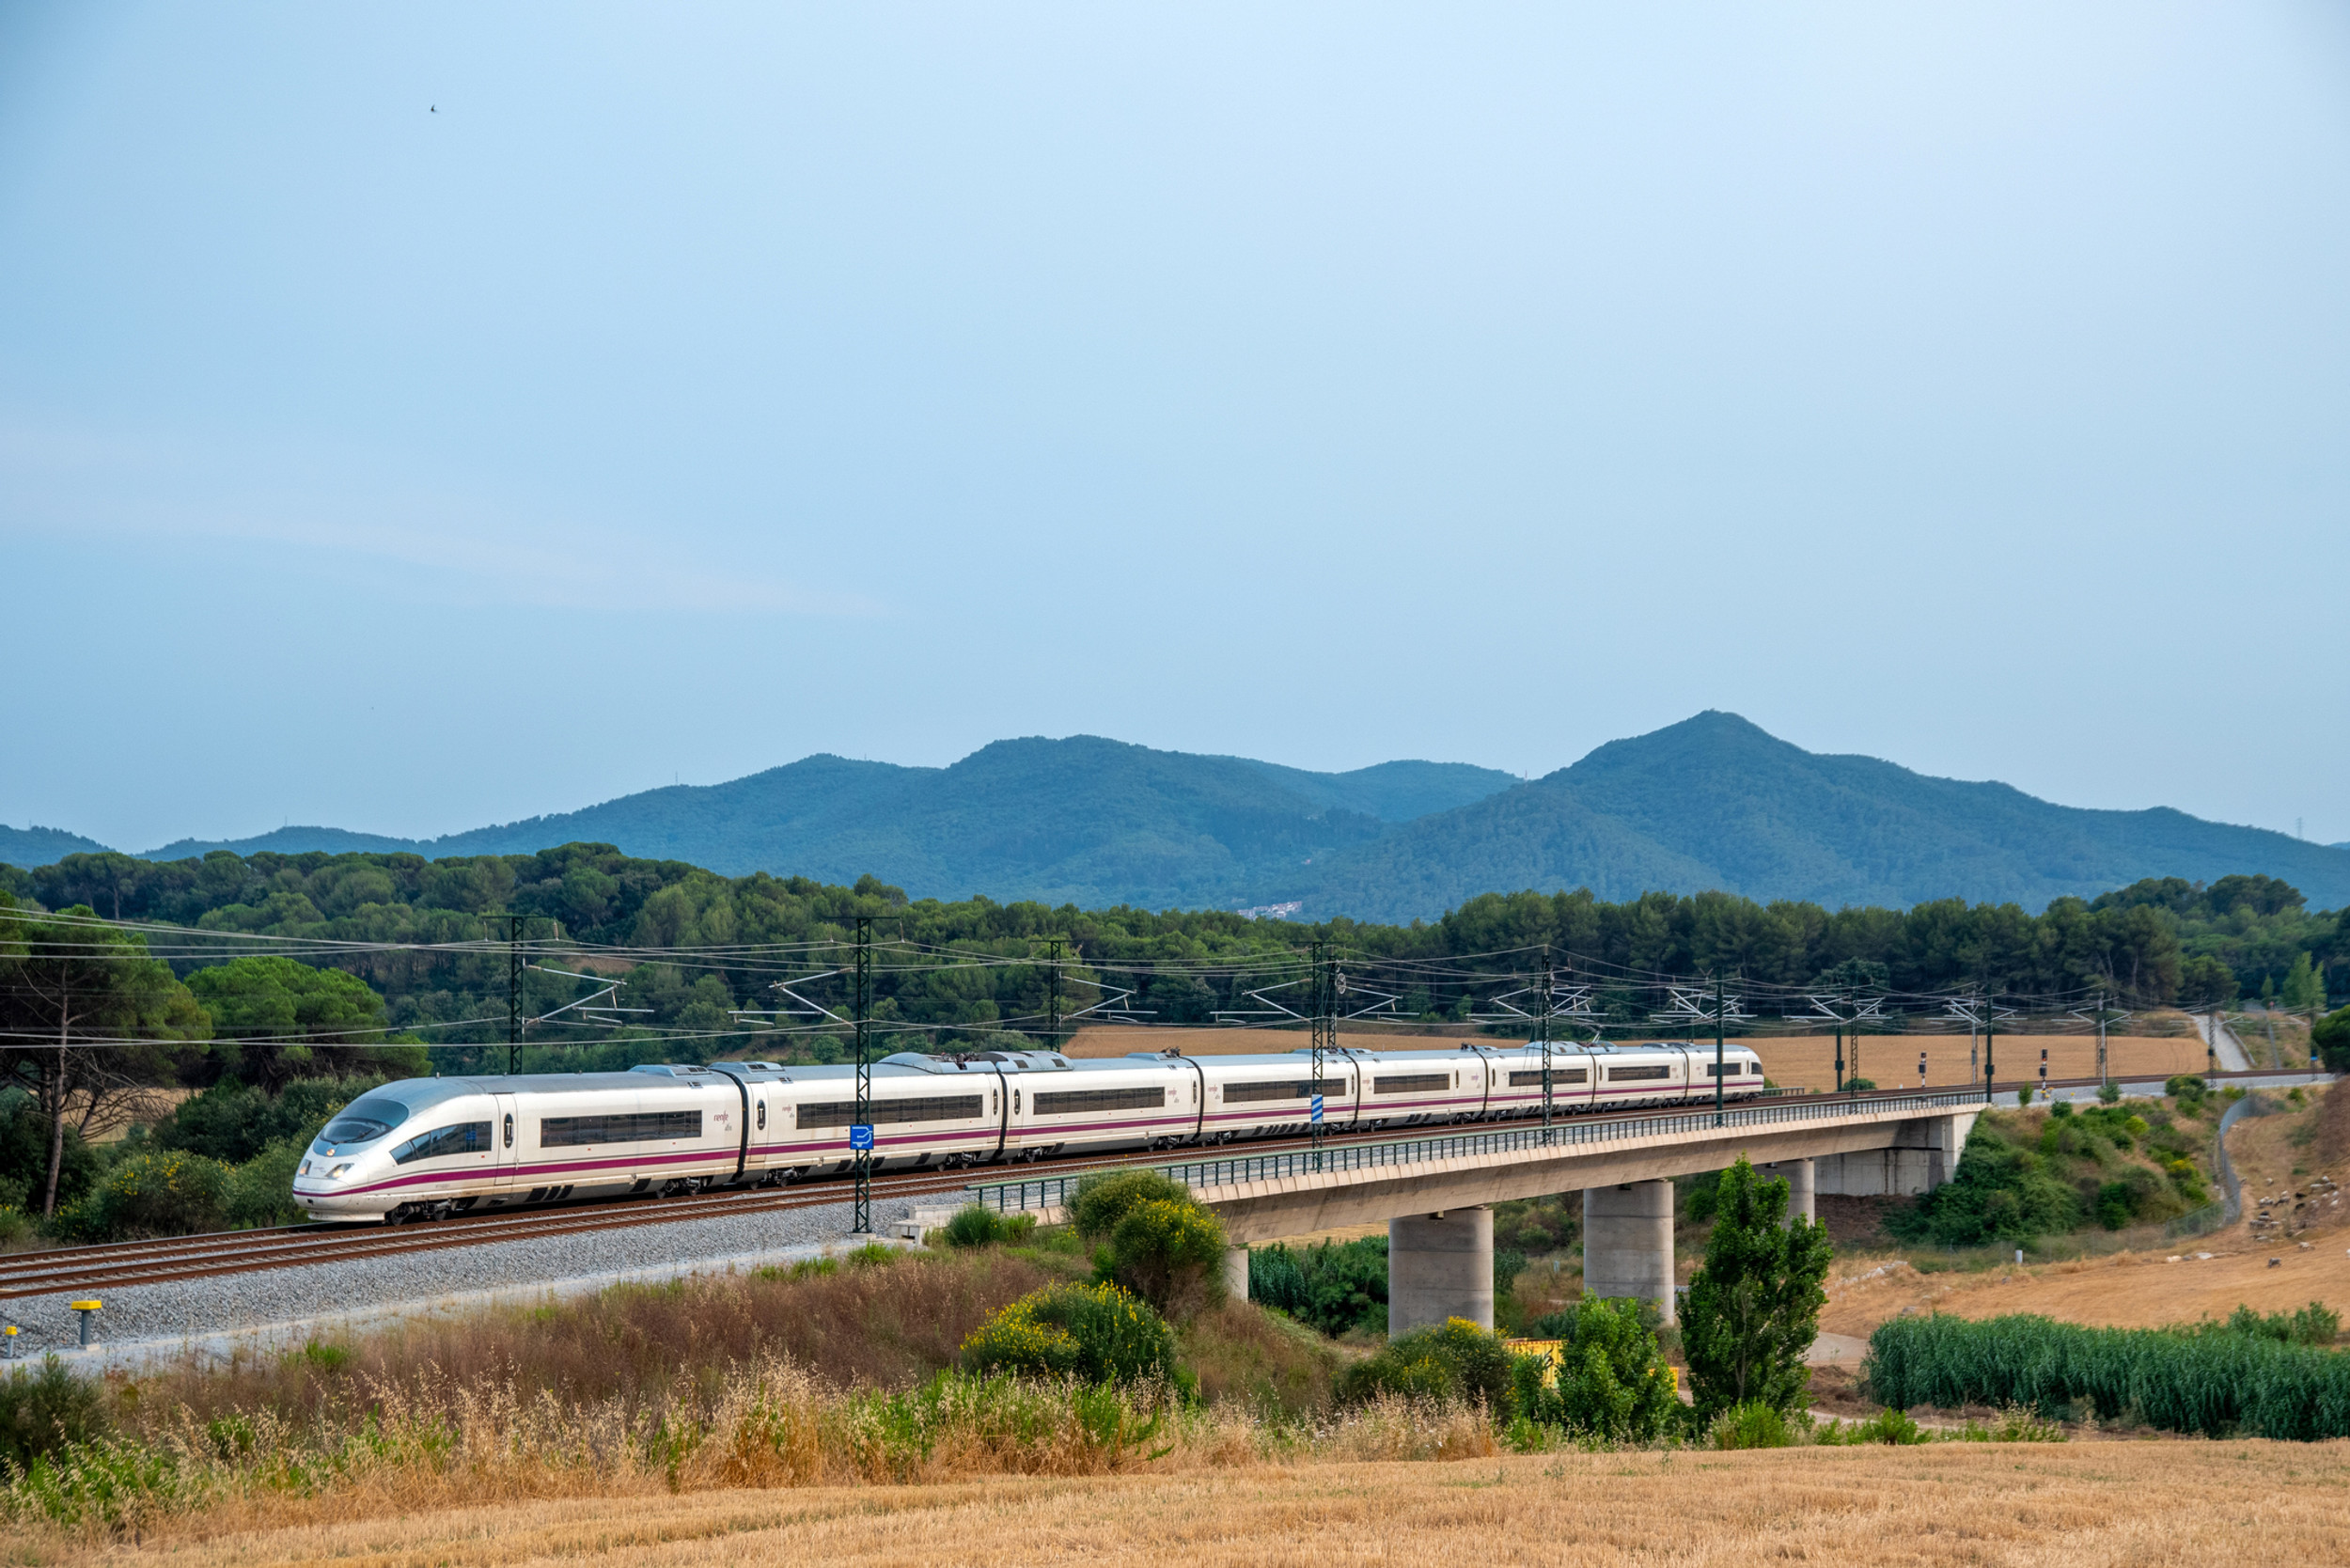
[{"x": 220, "y": 1313}]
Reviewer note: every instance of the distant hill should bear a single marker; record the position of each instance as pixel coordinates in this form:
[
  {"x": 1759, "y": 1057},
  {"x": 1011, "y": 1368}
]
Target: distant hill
[
  {"x": 41, "y": 846},
  {"x": 1084, "y": 820},
  {"x": 1715, "y": 802},
  {"x": 1712, "y": 802}
]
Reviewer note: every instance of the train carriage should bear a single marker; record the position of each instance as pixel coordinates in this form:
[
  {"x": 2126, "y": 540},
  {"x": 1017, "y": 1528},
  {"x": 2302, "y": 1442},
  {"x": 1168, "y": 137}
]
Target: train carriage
[{"x": 427, "y": 1147}]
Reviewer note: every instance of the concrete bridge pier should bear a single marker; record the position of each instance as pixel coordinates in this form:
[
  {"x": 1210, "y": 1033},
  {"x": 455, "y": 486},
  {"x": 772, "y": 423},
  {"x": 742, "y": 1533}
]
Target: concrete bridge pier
[
  {"x": 1628, "y": 1243},
  {"x": 1236, "y": 1273},
  {"x": 1440, "y": 1266},
  {"x": 1801, "y": 1185}
]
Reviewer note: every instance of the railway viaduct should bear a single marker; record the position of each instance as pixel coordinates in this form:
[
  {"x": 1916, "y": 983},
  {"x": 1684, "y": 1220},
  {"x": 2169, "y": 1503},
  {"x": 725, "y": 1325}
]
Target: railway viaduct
[{"x": 1435, "y": 1193}]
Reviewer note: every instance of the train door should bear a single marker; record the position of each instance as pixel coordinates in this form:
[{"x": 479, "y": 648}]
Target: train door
[{"x": 505, "y": 1133}]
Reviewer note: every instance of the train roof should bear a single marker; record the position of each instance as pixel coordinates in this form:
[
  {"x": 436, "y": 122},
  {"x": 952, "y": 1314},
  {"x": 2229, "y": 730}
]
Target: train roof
[{"x": 419, "y": 1093}]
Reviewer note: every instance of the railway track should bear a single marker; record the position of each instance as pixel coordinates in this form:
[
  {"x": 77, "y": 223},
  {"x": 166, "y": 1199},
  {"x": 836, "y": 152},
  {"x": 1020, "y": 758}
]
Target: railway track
[{"x": 116, "y": 1265}]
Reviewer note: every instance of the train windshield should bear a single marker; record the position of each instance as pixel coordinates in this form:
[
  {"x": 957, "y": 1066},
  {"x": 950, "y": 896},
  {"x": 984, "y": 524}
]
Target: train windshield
[{"x": 363, "y": 1121}]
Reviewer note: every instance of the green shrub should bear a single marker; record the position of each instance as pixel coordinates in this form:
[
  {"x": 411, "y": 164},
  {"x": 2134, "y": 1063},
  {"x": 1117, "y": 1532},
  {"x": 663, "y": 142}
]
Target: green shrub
[
  {"x": 233, "y": 1124},
  {"x": 1750, "y": 1426},
  {"x": 979, "y": 1225},
  {"x": 1998, "y": 1193},
  {"x": 42, "y": 1411},
  {"x": 1170, "y": 1252},
  {"x": 164, "y": 1193},
  {"x": 1457, "y": 1360},
  {"x": 1333, "y": 1286},
  {"x": 2015, "y": 1425},
  {"x": 1608, "y": 1380},
  {"x": 2023, "y": 1096},
  {"x": 260, "y": 1191},
  {"x": 2314, "y": 1325},
  {"x": 2211, "y": 1381},
  {"x": 1887, "y": 1425},
  {"x": 1096, "y": 1332},
  {"x": 1103, "y": 1199},
  {"x": 2110, "y": 1093}
]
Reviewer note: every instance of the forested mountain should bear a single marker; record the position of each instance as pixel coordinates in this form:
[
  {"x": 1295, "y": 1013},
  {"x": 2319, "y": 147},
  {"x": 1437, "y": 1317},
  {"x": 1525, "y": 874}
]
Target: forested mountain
[
  {"x": 1083, "y": 820},
  {"x": 38, "y": 846},
  {"x": 1710, "y": 803},
  {"x": 692, "y": 947},
  {"x": 1715, "y": 802}
]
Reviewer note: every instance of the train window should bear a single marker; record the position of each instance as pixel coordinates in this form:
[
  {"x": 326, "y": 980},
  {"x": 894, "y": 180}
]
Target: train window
[
  {"x": 562, "y": 1131},
  {"x": 1637, "y": 1075},
  {"x": 1068, "y": 1101},
  {"x": 1285, "y": 1088},
  {"x": 1531, "y": 1077},
  {"x": 466, "y": 1137},
  {"x": 1015, "y": 1100},
  {"x": 929, "y": 1107},
  {"x": 763, "y": 1116},
  {"x": 1733, "y": 1068},
  {"x": 509, "y": 1129},
  {"x": 1408, "y": 1083},
  {"x": 991, "y": 1102},
  {"x": 368, "y": 1118}
]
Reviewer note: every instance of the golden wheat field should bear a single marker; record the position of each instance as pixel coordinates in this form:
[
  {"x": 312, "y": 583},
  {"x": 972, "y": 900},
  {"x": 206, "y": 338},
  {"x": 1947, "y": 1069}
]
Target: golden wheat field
[{"x": 2113, "y": 1505}]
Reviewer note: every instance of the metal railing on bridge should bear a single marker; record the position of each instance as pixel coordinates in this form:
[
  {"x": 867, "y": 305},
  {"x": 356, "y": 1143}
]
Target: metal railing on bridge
[{"x": 1226, "y": 1170}]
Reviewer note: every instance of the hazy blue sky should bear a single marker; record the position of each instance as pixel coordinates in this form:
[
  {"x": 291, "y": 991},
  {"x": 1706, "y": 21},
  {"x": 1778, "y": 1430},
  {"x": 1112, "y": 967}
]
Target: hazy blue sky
[{"x": 416, "y": 416}]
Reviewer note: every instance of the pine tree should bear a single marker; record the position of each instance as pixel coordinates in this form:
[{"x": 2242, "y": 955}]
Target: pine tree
[{"x": 1753, "y": 1310}]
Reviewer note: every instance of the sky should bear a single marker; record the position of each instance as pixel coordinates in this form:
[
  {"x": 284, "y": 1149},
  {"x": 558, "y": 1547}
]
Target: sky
[{"x": 413, "y": 417}]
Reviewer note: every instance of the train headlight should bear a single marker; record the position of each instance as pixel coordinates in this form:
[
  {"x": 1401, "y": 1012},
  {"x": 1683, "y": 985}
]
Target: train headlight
[
  {"x": 340, "y": 1170},
  {"x": 303, "y": 1170}
]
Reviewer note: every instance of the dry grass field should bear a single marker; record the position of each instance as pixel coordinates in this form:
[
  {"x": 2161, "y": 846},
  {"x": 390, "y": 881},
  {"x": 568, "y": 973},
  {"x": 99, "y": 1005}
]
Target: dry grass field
[
  {"x": 2275, "y": 1155},
  {"x": 1809, "y": 1061},
  {"x": 2113, "y": 1505}
]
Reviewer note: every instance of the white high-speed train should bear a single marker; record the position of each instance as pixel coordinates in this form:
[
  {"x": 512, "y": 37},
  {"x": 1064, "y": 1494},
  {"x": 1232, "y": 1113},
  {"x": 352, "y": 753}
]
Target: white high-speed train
[{"x": 424, "y": 1148}]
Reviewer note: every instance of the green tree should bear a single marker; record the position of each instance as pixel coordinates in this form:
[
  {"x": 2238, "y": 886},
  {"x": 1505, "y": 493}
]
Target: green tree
[
  {"x": 1753, "y": 1309},
  {"x": 1609, "y": 1379},
  {"x": 275, "y": 1020},
  {"x": 86, "y": 1021},
  {"x": 2332, "y": 1039},
  {"x": 2302, "y": 989}
]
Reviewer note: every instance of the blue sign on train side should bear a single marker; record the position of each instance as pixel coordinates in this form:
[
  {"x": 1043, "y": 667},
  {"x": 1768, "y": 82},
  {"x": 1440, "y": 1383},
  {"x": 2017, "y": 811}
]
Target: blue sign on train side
[
  {"x": 861, "y": 1139},
  {"x": 1317, "y": 1110}
]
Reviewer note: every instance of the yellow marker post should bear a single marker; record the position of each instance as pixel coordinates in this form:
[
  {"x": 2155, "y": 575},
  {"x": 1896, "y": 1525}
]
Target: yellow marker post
[{"x": 86, "y": 1308}]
